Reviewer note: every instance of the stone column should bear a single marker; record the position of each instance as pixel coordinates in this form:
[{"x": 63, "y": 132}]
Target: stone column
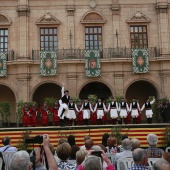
[
  {"x": 118, "y": 83},
  {"x": 23, "y": 14},
  {"x": 23, "y": 77},
  {"x": 72, "y": 82},
  {"x": 116, "y": 24},
  {"x": 163, "y": 25},
  {"x": 70, "y": 24}
]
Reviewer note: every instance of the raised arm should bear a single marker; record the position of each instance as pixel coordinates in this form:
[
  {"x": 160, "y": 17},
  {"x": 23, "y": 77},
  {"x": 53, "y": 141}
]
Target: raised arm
[
  {"x": 142, "y": 107},
  {"x": 62, "y": 91},
  {"x": 108, "y": 109},
  {"x": 152, "y": 101}
]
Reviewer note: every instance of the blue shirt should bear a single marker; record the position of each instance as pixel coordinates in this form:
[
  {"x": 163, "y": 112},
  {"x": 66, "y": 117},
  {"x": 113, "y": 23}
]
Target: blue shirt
[{"x": 139, "y": 167}]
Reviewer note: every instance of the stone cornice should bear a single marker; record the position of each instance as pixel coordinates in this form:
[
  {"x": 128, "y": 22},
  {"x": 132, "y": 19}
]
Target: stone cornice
[
  {"x": 23, "y": 10},
  {"x": 162, "y": 7}
]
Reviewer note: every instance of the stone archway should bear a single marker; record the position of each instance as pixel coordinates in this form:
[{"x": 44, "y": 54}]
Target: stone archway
[
  {"x": 7, "y": 95},
  {"x": 46, "y": 90},
  {"x": 140, "y": 90},
  {"x": 100, "y": 89}
]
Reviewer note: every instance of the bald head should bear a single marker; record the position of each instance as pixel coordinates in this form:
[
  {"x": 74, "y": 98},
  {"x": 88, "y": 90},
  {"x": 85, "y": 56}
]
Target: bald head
[
  {"x": 161, "y": 165},
  {"x": 140, "y": 156}
]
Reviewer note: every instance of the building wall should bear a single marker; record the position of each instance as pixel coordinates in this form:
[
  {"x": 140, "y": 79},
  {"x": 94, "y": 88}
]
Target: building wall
[{"x": 23, "y": 72}]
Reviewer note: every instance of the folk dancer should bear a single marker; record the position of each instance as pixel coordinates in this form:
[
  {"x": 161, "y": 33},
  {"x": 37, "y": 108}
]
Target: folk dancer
[
  {"x": 124, "y": 108},
  {"x": 26, "y": 115},
  {"x": 55, "y": 114},
  {"x": 113, "y": 108},
  {"x": 72, "y": 112},
  {"x": 100, "y": 108},
  {"x": 44, "y": 113},
  {"x": 33, "y": 114},
  {"x": 86, "y": 108},
  {"x": 63, "y": 109},
  {"x": 147, "y": 107},
  {"x": 134, "y": 107}
]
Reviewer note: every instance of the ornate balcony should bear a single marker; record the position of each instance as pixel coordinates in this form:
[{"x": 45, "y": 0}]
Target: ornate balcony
[
  {"x": 107, "y": 53},
  {"x": 9, "y": 54}
]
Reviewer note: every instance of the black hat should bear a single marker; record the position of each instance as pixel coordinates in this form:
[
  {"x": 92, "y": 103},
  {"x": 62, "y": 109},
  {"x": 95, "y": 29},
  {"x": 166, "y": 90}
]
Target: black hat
[{"x": 66, "y": 91}]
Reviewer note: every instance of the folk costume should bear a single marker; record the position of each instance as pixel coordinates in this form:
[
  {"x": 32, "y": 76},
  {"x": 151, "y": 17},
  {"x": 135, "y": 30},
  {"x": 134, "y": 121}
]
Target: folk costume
[
  {"x": 33, "y": 115},
  {"x": 100, "y": 108},
  {"x": 134, "y": 109},
  {"x": 86, "y": 108},
  {"x": 72, "y": 112},
  {"x": 112, "y": 109},
  {"x": 26, "y": 115},
  {"x": 44, "y": 113},
  {"x": 124, "y": 108},
  {"x": 148, "y": 107},
  {"x": 56, "y": 118}
]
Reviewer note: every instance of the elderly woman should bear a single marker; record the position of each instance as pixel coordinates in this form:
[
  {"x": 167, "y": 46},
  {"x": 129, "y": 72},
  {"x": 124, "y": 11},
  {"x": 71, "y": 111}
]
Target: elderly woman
[
  {"x": 63, "y": 151},
  {"x": 135, "y": 144},
  {"x": 153, "y": 151},
  {"x": 80, "y": 156}
]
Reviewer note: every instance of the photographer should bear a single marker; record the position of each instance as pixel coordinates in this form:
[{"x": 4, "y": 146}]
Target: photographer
[{"x": 92, "y": 162}]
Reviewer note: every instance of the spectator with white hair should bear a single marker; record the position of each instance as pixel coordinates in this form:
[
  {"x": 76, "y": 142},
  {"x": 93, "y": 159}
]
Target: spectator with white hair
[
  {"x": 161, "y": 165},
  {"x": 153, "y": 151},
  {"x": 135, "y": 143},
  {"x": 140, "y": 160},
  {"x": 126, "y": 145},
  {"x": 21, "y": 160},
  {"x": 85, "y": 138}
]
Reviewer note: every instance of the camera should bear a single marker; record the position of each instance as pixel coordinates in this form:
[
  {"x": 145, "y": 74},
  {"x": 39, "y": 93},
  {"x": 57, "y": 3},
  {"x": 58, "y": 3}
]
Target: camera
[
  {"x": 37, "y": 139},
  {"x": 97, "y": 153}
]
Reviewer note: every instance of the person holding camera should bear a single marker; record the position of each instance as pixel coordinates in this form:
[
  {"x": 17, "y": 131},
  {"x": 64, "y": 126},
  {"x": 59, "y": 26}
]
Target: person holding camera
[
  {"x": 94, "y": 161},
  {"x": 21, "y": 160}
]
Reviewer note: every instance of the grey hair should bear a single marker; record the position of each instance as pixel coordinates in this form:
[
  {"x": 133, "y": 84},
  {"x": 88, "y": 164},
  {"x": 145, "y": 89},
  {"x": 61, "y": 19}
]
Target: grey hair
[
  {"x": 161, "y": 164},
  {"x": 139, "y": 154},
  {"x": 92, "y": 163},
  {"x": 96, "y": 148},
  {"x": 135, "y": 143},
  {"x": 126, "y": 144},
  {"x": 152, "y": 139},
  {"x": 20, "y": 160}
]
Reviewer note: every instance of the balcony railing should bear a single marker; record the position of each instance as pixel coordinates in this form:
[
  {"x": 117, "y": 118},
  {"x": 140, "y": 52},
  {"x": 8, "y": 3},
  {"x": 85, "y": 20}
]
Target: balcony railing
[
  {"x": 10, "y": 55},
  {"x": 106, "y": 53}
]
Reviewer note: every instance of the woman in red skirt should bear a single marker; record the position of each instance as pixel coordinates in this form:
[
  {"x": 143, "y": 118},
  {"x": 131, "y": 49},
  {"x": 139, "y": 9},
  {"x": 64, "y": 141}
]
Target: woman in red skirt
[
  {"x": 44, "y": 113},
  {"x": 33, "y": 115},
  {"x": 26, "y": 115},
  {"x": 56, "y": 119}
]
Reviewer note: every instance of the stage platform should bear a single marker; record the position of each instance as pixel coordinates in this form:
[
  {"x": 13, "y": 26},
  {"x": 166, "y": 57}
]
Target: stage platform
[{"x": 139, "y": 131}]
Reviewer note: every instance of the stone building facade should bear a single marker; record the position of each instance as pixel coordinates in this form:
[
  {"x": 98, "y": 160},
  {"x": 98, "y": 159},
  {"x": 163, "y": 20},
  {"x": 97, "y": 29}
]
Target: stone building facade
[{"x": 114, "y": 26}]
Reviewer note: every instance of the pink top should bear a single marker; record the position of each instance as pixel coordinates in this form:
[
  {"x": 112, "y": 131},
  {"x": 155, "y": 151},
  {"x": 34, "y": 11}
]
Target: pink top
[{"x": 110, "y": 167}]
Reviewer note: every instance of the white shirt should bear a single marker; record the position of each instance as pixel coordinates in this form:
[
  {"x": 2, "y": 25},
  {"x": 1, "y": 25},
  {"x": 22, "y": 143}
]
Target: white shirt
[{"x": 9, "y": 149}]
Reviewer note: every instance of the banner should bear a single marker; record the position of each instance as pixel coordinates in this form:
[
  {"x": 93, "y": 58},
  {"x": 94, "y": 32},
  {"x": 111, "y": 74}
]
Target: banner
[
  {"x": 92, "y": 63},
  {"x": 140, "y": 61},
  {"x": 48, "y": 63},
  {"x": 3, "y": 67}
]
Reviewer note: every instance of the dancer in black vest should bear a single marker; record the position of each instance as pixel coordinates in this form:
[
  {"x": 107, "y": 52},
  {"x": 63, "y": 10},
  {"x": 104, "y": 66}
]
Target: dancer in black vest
[
  {"x": 100, "y": 108},
  {"x": 124, "y": 108},
  {"x": 148, "y": 108},
  {"x": 72, "y": 112},
  {"x": 86, "y": 108},
  {"x": 134, "y": 107},
  {"x": 112, "y": 109}
]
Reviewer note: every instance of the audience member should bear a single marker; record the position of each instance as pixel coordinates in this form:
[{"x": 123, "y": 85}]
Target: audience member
[
  {"x": 3, "y": 163},
  {"x": 71, "y": 140},
  {"x": 103, "y": 147},
  {"x": 120, "y": 146},
  {"x": 105, "y": 138},
  {"x": 74, "y": 150},
  {"x": 153, "y": 151},
  {"x": 88, "y": 144},
  {"x": 85, "y": 138},
  {"x": 112, "y": 145},
  {"x": 94, "y": 163},
  {"x": 63, "y": 151},
  {"x": 126, "y": 145},
  {"x": 62, "y": 140},
  {"x": 140, "y": 160},
  {"x": 166, "y": 156},
  {"x": 21, "y": 160},
  {"x": 161, "y": 165},
  {"x": 7, "y": 148},
  {"x": 135, "y": 143},
  {"x": 80, "y": 156}
]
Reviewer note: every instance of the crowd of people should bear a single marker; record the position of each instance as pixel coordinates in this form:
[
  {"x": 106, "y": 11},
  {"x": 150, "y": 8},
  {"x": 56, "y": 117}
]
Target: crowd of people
[
  {"x": 68, "y": 155},
  {"x": 66, "y": 112}
]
